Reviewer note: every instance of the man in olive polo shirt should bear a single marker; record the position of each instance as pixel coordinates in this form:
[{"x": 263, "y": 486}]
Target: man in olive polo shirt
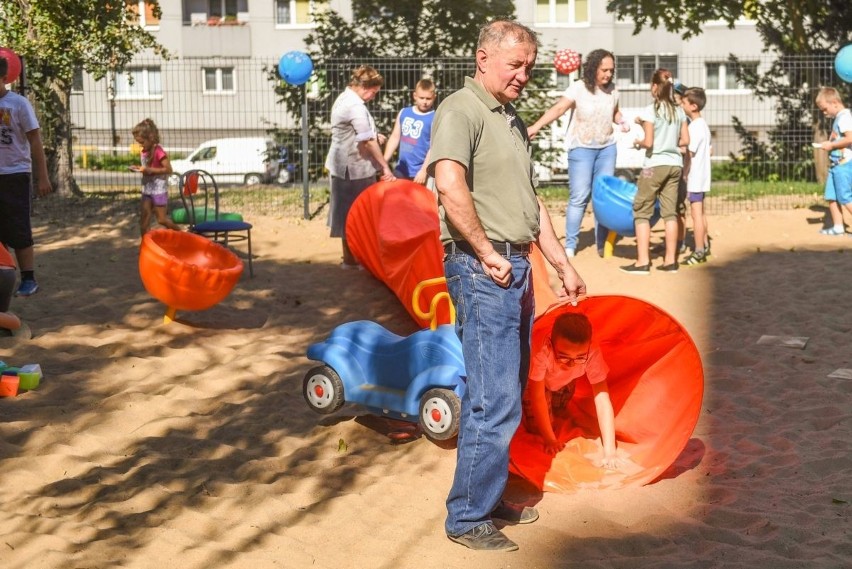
[{"x": 490, "y": 214}]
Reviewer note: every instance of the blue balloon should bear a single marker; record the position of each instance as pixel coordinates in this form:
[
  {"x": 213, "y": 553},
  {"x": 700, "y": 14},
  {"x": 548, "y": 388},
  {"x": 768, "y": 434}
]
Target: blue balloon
[
  {"x": 843, "y": 63},
  {"x": 612, "y": 200},
  {"x": 295, "y": 67}
]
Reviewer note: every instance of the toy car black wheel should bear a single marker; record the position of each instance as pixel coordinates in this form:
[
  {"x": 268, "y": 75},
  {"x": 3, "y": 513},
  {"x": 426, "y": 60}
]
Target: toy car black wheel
[
  {"x": 440, "y": 412},
  {"x": 323, "y": 390}
]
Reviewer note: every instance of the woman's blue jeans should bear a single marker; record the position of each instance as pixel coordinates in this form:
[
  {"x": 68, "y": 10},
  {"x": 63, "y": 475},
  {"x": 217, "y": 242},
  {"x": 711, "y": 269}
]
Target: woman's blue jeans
[
  {"x": 494, "y": 325},
  {"x": 584, "y": 165}
]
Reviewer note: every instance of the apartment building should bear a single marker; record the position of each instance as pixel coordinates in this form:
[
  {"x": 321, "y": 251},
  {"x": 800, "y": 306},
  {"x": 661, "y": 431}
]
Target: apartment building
[{"x": 214, "y": 80}]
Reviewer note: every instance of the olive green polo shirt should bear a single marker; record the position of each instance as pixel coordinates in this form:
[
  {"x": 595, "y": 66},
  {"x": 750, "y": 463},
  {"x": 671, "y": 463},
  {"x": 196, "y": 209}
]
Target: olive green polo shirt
[{"x": 471, "y": 128}]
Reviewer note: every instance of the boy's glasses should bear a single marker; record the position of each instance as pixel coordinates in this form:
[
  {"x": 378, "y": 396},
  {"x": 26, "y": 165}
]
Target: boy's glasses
[{"x": 568, "y": 361}]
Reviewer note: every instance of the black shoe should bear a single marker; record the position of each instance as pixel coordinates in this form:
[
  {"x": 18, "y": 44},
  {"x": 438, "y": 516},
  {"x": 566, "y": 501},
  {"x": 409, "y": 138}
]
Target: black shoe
[
  {"x": 668, "y": 268},
  {"x": 485, "y": 537},
  {"x": 514, "y": 515},
  {"x": 637, "y": 269},
  {"x": 696, "y": 258}
]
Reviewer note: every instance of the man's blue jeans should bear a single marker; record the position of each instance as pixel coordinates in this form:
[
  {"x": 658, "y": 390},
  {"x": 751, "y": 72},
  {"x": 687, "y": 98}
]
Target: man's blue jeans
[
  {"x": 584, "y": 165},
  {"x": 494, "y": 325}
]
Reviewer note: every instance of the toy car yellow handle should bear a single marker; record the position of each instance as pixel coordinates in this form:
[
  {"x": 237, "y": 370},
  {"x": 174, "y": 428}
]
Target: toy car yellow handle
[{"x": 432, "y": 315}]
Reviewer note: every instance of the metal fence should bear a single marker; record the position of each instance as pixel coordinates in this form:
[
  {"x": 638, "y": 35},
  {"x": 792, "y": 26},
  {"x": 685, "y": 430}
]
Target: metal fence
[{"x": 194, "y": 100}]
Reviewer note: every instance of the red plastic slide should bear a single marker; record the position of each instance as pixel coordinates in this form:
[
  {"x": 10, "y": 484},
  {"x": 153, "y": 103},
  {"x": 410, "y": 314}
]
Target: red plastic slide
[
  {"x": 392, "y": 229},
  {"x": 656, "y": 382}
]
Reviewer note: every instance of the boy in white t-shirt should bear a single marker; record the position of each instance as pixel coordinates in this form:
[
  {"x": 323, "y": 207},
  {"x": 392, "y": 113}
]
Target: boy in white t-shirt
[
  {"x": 21, "y": 159},
  {"x": 838, "y": 185},
  {"x": 698, "y": 179}
]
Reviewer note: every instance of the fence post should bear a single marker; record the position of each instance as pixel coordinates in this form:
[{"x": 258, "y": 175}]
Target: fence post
[{"x": 306, "y": 197}]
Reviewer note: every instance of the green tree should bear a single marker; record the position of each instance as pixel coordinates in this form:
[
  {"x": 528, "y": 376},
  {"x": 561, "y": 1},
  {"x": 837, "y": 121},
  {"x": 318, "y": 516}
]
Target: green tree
[
  {"x": 802, "y": 37},
  {"x": 56, "y": 38}
]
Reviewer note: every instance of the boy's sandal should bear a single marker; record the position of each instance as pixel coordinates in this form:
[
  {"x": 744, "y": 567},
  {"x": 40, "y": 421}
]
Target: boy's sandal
[{"x": 832, "y": 231}]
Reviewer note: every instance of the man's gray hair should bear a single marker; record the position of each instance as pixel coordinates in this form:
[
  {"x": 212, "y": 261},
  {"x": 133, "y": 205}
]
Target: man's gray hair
[{"x": 496, "y": 32}]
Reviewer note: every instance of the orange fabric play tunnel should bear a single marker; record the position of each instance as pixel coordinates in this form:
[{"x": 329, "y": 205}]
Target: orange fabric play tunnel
[
  {"x": 656, "y": 382},
  {"x": 656, "y": 379},
  {"x": 186, "y": 271},
  {"x": 393, "y": 230}
]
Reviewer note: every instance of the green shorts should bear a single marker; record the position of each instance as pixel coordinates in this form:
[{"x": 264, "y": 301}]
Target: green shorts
[{"x": 659, "y": 182}]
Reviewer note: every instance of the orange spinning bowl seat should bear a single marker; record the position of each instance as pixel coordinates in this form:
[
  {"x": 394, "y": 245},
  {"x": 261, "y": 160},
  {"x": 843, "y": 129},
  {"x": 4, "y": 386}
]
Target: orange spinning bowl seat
[{"x": 185, "y": 271}]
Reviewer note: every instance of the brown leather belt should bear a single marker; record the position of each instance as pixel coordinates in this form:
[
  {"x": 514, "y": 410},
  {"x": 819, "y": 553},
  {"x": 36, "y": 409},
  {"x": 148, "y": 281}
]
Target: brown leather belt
[{"x": 502, "y": 247}]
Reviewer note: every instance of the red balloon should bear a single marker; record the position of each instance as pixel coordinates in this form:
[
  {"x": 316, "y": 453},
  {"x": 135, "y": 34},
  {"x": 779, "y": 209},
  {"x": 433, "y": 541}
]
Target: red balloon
[
  {"x": 14, "y": 62},
  {"x": 566, "y": 61}
]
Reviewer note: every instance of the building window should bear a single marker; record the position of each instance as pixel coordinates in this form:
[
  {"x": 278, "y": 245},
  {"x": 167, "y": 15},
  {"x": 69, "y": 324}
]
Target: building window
[
  {"x": 562, "y": 12},
  {"x": 637, "y": 70},
  {"x": 226, "y": 9},
  {"x": 77, "y": 80},
  {"x": 138, "y": 83},
  {"x": 298, "y": 12},
  {"x": 143, "y": 12},
  {"x": 219, "y": 80},
  {"x": 723, "y": 76},
  {"x": 564, "y": 81}
]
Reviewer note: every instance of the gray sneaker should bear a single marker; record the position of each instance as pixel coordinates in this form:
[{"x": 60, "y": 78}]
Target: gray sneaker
[{"x": 485, "y": 537}]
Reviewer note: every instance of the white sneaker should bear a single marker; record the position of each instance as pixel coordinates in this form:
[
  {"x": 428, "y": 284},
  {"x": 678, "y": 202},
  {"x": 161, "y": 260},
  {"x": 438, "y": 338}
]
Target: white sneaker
[{"x": 570, "y": 252}]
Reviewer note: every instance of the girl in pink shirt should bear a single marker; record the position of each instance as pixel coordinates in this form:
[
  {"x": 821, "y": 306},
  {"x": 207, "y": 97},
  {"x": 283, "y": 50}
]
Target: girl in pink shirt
[{"x": 155, "y": 170}]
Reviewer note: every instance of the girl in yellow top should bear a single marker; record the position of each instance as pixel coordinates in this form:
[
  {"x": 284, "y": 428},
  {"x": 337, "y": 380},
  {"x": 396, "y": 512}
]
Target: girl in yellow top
[{"x": 566, "y": 354}]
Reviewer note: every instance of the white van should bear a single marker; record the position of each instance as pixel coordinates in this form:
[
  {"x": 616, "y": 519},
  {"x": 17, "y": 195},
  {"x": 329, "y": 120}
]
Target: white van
[{"x": 248, "y": 161}]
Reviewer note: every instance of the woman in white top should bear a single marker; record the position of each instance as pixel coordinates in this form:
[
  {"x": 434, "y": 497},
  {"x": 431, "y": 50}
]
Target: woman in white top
[
  {"x": 591, "y": 138},
  {"x": 355, "y": 155}
]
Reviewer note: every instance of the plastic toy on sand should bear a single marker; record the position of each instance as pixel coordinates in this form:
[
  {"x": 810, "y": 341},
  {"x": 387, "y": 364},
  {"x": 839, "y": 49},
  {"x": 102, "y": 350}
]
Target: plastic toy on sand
[
  {"x": 419, "y": 378},
  {"x": 186, "y": 271},
  {"x": 656, "y": 382},
  {"x": 295, "y": 67},
  {"x": 612, "y": 201},
  {"x": 566, "y": 61},
  {"x": 843, "y": 63},
  {"x": 13, "y": 62},
  {"x": 15, "y": 379}
]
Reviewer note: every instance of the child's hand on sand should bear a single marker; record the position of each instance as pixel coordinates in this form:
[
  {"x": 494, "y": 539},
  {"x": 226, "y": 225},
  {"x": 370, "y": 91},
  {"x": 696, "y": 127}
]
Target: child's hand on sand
[{"x": 612, "y": 462}]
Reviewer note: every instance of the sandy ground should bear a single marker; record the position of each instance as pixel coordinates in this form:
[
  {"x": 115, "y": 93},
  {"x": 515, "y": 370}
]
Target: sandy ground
[{"x": 189, "y": 445}]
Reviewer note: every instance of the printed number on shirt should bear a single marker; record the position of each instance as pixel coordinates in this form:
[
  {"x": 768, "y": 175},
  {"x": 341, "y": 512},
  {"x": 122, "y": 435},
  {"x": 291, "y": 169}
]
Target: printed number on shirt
[{"x": 411, "y": 127}]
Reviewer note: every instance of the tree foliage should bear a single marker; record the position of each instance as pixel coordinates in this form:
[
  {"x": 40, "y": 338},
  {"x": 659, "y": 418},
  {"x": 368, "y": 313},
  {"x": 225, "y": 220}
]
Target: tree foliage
[
  {"x": 56, "y": 38},
  {"x": 803, "y": 37}
]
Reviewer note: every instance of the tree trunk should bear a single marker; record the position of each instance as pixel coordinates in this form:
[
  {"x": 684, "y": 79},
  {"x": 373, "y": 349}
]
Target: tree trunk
[{"x": 56, "y": 136}]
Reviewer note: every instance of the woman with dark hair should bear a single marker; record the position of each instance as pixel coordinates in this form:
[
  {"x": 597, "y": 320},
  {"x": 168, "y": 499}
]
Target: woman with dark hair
[
  {"x": 355, "y": 155},
  {"x": 591, "y": 138}
]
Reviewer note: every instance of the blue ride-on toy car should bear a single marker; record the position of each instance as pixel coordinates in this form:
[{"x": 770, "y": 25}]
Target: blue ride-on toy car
[{"x": 419, "y": 378}]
